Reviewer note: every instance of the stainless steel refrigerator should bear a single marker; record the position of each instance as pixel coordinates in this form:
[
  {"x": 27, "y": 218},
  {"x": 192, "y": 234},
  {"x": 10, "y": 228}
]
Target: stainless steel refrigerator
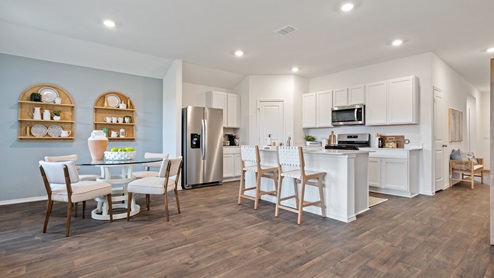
[{"x": 202, "y": 146}]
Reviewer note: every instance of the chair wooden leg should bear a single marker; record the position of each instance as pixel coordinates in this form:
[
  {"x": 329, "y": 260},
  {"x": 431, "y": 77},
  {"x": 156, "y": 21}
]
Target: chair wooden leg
[
  {"x": 110, "y": 209},
  {"x": 242, "y": 186},
  {"x": 301, "y": 203},
  {"x": 69, "y": 214},
  {"x": 129, "y": 203},
  {"x": 258, "y": 190},
  {"x": 166, "y": 206},
  {"x": 321, "y": 195},
  {"x": 83, "y": 209},
  {"x": 148, "y": 201},
  {"x": 49, "y": 206},
  {"x": 75, "y": 210},
  {"x": 176, "y": 199},
  {"x": 482, "y": 177},
  {"x": 295, "y": 190},
  {"x": 278, "y": 196}
]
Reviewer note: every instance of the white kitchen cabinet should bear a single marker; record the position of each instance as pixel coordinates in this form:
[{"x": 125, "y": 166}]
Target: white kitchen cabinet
[
  {"x": 230, "y": 103},
  {"x": 402, "y": 101},
  {"x": 356, "y": 95},
  {"x": 316, "y": 109},
  {"x": 392, "y": 102},
  {"x": 324, "y": 103},
  {"x": 233, "y": 110},
  {"x": 231, "y": 163},
  {"x": 374, "y": 172},
  {"x": 228, "y": 167},
  {"x": 340, "y": 97},
  {"x": 349, "y": 96},
  {"x": 376, "y": 105},
  {"x": 394, "y": 172},
  {"x": 309, "y": 110}
]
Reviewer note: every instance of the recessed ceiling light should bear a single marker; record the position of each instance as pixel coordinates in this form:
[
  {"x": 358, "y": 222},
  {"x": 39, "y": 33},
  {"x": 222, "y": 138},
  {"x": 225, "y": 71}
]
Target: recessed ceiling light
[
  {"x": 346, "y": 7},
  {"x": 295, "y": 69},
  {"x": 490, "y": 50},
  {"x": 397, "y": 42},
  {"x": 239, "y": 53},
  {"x": 109, "y": 23}
]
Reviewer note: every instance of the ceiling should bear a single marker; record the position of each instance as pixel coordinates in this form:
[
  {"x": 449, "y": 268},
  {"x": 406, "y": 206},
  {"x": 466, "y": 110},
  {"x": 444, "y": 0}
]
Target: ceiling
[{"x": 206, "y": 33}]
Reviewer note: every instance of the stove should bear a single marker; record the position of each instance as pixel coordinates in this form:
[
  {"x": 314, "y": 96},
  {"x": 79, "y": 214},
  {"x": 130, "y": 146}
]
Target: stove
[{"x": 351, "y": 142}]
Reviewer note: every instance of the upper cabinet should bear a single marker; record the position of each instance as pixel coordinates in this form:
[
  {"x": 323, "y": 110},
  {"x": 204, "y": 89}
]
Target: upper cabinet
[
  {"x": 230, "y": 103},
  {"x": 392, "y": 102},
  {"x": 316, "y": 109},
  {"x": 349, "y": 96},
  {"x": 45, "y": 113}
]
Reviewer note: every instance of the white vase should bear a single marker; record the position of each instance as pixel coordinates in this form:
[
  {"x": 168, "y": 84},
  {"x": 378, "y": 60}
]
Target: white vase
[
  {"x": 56, "y": 118},
  {"x": 37, "y": 113},
  {"x": 46, "y": 115}
]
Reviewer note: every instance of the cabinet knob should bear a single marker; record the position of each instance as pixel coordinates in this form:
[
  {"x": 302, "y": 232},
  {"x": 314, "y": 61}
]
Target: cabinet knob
[{"x": 444, "y": 146}]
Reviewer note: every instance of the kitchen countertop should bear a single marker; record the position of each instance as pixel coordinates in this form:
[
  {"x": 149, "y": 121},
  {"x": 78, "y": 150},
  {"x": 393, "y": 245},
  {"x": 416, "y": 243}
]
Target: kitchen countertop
[
  {"x": 323, "y": 151},
  {"x": 411, "y": 148}
]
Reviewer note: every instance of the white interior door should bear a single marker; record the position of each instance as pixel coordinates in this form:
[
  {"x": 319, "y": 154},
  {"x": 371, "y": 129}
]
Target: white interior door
[
  {"x": 439, "y": 140},
  {"x": 270, "y": 120}
]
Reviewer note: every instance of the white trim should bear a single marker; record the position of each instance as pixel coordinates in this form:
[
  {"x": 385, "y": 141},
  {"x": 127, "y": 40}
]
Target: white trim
[{"x": 23, "y": 200}]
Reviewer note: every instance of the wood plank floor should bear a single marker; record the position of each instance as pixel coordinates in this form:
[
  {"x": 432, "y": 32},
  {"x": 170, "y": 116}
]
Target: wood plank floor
[{"x": 442, "y": 236}]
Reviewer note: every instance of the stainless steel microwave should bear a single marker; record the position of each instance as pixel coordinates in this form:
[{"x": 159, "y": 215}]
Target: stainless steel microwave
[{"x": 348, "y": 115}]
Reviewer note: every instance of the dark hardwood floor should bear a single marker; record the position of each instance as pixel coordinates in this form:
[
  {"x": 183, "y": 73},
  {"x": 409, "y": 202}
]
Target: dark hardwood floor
[{"x": 442, "y": 236}]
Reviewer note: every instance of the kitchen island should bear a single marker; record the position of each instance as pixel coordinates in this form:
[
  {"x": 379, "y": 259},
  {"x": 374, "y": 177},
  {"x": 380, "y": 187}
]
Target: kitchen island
[{"x": 346, "y": 189}]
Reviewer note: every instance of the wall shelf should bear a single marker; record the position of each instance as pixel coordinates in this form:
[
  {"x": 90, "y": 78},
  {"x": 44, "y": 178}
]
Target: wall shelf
[
  {"x": 26, "y": 108},
  {"x": 101, "y": 112}
]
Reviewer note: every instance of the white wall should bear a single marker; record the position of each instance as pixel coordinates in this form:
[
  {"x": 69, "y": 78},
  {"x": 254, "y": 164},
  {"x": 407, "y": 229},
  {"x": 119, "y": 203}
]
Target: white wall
[
  {"x": 195, "y": 94},
  {"x": 460, "y": 95},
  {"x": 483, "y": 147},
  {"x": 270, "y": 87},
  {"x": 243, "y": 90},
  {"x": 300, "y": 86},
  {"x": 418, "y": 65},
  {"x": 172, "y": 109}
]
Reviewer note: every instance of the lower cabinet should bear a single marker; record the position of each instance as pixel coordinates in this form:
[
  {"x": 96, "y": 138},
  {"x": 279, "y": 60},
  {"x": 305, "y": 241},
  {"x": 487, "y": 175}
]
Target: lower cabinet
[
  {"x": 394, "y": 172},
  {"x": 231, "y": 163}
]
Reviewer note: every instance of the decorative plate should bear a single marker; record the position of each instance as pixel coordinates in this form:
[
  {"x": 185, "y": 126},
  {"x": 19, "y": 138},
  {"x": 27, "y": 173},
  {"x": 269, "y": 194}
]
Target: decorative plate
[
  {"x": 39, "y": 130},
  {"x": 48, "y": 95},
  {"x": 54, "y": 131},
  {"x": 113, "y": 100}
]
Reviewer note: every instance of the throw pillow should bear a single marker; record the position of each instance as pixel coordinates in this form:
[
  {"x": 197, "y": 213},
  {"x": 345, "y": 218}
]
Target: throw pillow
[
  {"x": 455, "y": 155},
  {"x": 471, "y": 156}
]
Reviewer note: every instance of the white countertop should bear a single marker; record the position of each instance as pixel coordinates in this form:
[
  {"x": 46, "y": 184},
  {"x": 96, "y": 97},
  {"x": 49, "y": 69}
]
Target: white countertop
[
  {"x": 323, "y": 151},
  {"x": 407, "y": 148}
]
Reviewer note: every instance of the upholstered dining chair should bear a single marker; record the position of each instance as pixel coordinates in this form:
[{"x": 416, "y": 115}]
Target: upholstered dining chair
[
  {"x": 166, "y": 180},
  {"x": 148, "y": 166},
  {"x": 62, "y": 184}
]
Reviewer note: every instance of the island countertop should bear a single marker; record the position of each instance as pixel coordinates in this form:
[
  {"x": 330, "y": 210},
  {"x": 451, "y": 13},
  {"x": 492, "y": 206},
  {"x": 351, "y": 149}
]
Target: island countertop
[{"x": 345, "y": 189}]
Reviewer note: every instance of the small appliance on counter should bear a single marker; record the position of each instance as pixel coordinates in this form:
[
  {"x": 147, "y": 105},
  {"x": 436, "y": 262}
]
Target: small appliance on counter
[
  {"x": 351, "y": 142},
  {"x": 229, "y": 140}
]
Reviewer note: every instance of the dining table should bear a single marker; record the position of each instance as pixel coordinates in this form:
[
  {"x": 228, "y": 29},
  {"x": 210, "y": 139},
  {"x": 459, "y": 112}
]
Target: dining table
[{"x": 119, "y": 179}]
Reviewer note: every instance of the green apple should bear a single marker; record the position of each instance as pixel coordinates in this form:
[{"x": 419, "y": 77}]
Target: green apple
[
  {"x": 114, "y": 150},
  {"x": 121, "y": 150},
  {"x": 129, "y": 149}
]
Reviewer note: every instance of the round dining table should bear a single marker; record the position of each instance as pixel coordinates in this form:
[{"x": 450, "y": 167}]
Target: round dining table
[{"x": 119, "y": 184}]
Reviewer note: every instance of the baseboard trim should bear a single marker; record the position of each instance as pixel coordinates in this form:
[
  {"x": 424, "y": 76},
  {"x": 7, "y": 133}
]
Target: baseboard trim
[{"x": 23, "y": 200}]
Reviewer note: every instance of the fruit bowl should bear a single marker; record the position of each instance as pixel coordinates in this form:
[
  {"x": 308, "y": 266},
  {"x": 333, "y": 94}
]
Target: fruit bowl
[{"x": 120, "y": 155}]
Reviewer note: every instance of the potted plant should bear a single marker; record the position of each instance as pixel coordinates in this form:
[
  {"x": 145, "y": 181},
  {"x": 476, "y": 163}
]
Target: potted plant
[
  {"x": 127, "y": 119},
  {"x": 56, "y": 115},
  {"x": 35, "y": 97},
  {"x": 309, "y": 138}
]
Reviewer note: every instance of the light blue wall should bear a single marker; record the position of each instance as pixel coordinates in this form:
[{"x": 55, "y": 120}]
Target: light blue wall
[{"x": 19, "y": 173}]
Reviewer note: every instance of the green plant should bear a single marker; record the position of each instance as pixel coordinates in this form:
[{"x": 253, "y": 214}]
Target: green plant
[
  {"x": 35, "y": 97},
  {"x": 309, "y": 138},
  {"x": 56, "y": 113}
]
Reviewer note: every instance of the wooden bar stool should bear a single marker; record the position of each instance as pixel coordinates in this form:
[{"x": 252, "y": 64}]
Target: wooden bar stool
[
  {"x": 251, "y": 162},
  {"x": 291, "y": 165}
]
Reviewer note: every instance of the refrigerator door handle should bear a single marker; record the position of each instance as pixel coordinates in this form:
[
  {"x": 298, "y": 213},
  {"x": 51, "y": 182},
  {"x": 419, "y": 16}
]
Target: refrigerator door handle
[{"x": 203, "y": 140}]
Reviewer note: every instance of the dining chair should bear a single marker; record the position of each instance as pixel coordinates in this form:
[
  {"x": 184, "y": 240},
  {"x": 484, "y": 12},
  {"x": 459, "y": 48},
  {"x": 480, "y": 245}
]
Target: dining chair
[
  {"x": 159, "y": 185},
  {"x": 62, "y": 184},
  {"x": 148, "y": 166},
  {"x": 291, "y": 164}
]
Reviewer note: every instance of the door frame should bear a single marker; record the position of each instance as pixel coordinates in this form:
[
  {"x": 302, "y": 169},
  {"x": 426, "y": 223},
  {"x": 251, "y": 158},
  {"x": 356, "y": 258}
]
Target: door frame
[
  {"x": 258, "y": 120},
  {"x": 445, "y": 141}
]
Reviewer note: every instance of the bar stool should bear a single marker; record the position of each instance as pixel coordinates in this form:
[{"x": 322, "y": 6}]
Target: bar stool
[
  {"x": 251, "y": 162},
  {"x": 291, "y": 164}
]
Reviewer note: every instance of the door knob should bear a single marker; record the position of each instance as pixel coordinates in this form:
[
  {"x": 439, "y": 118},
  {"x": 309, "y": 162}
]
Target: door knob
[{"x": 444, "y": 146}]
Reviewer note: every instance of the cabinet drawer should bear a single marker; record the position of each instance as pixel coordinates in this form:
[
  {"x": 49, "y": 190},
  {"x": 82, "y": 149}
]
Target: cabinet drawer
[
  {"x": 392, "y": 153},
  {"x": 231, "y": 150}
]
